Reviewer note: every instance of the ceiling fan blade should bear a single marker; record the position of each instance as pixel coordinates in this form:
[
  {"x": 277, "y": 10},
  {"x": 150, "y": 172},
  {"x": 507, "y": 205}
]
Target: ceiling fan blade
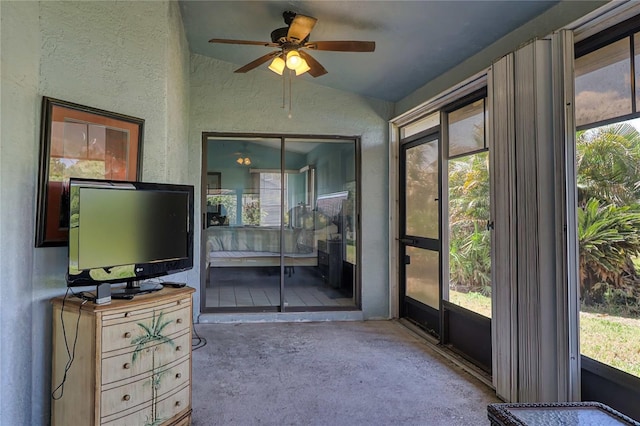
[
  {"x": 261, "y": 60},
  {"x": 316, "y": 69},
  {"x": 342, "y": 46},
  {"x": 254, "y": 43},
  {"x": 300, "y": 28}
]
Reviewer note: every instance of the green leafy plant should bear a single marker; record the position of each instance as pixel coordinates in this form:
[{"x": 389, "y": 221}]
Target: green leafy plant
[
  {"x": 608, "y": 237},
  {"x": 469, "y": 240}
]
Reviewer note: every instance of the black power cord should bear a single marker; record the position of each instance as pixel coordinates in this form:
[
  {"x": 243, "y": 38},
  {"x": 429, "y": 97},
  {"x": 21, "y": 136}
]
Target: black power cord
[
  {"x": 71, "y": 353},
  {"x": 197, "y": 342}
]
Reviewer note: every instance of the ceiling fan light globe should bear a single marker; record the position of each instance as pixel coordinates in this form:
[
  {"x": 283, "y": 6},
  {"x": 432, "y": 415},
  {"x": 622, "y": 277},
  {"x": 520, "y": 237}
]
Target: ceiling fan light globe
[
  {"x": 277, "y": 65},
  {"x": 240, "y": 160},
  {"x": 247, "y": 161},
  {"x": 293, "y": 59},
  {"x": 302, "y": 67}
]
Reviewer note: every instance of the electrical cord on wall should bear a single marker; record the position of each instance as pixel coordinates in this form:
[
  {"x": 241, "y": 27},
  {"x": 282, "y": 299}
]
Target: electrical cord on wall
[{"x": 71, "y": 353}]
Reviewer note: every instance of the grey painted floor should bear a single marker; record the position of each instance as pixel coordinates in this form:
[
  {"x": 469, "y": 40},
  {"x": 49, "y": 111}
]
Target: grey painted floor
[{"x": 329, "y": 373}]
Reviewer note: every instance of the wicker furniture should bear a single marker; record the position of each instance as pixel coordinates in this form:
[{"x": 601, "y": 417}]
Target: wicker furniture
[{"x": 552, "y": 414}]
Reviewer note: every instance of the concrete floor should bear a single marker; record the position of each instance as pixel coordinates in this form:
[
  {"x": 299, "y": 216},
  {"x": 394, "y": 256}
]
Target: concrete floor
[{"x": 329, "y": 373}]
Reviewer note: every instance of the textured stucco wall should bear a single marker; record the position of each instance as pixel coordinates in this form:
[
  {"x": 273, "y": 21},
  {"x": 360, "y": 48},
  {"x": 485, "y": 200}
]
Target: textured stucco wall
[
  {"x": 222, "y": 101},
  {"x": 127, "y": 57},
  {"x": 20, "y": 46}
]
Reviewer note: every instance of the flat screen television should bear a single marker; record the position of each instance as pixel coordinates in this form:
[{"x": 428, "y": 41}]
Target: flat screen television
[{"x": 127, "y": 232}]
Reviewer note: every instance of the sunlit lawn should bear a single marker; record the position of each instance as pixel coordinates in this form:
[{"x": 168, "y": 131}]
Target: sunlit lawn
[
  {"x": 473, "y": 301},
  {"x": 609, "y": 339}
]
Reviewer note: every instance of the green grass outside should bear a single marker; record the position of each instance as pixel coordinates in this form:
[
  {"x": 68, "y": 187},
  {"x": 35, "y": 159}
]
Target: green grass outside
[
  {"x": 475, "y": 302},
  {"x": 612, "y": 340}
]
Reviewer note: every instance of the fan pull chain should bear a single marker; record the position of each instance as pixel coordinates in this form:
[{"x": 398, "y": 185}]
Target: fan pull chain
[
  {"x": 284, "y": 77},
  {"x": 290, "y": 84}
]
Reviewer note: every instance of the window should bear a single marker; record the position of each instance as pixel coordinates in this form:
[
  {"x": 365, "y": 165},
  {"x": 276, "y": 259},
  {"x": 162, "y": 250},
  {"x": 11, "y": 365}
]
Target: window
[
  {"x": 266, "y": 212},
  {"x": 468, "y": 184},
  {"x": 608, "y": 172}
]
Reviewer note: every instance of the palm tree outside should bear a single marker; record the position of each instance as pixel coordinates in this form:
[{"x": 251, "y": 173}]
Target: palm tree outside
[{"x": 608, "y": 219}]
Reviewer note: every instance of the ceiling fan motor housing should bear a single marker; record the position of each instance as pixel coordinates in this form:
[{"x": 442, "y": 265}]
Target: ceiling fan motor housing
[
  {"x": 288, "y": 16},
  {"x": 279, "y": 35}
]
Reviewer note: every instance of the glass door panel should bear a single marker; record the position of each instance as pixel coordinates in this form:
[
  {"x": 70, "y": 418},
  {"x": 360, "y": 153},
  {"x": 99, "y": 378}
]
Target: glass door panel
[
  {"x": 319, "y": 224},
  {"x": 421, "y": 190},
  {"x": 242, "y": 234},
  {"x": 419, "y": 242},
  {"x": 422, "y": 277},
  {"x": 279, "y": 224}
]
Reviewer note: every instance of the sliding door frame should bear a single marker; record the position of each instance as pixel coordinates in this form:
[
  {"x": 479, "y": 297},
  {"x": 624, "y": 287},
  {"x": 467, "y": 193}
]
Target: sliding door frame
[{"x": 357, "y": 289}]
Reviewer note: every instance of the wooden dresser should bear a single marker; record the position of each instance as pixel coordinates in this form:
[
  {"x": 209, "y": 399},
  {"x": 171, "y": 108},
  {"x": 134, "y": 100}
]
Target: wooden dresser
[{"x": 132, "y": 363}]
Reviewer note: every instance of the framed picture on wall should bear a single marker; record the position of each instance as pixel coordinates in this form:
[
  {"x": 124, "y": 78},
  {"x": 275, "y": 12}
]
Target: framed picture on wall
[
  {"x": 214, "y": 184},
  {"x": 84, "y": 142}
]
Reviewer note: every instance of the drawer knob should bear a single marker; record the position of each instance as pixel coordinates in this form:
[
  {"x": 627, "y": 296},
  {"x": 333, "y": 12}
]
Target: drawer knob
[
  {"x": 126, "y": 366},
  {"x": 179, "y": 302},
  {"x": 126, "y": 314},
  {"x": 127, "y": 335},
  {"x": 126, "y": 398},
  {"x": 178, "y": 403},
  {"x": 178, "y": 375},
  {"x": 179, "y": 320},
  {"x": 178, "y": 348}
]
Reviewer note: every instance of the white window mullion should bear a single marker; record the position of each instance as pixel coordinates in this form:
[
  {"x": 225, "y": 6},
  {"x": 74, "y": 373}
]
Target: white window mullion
[
  {"x": 503, "y": 254},
  {"x": 568, "y": 305}
]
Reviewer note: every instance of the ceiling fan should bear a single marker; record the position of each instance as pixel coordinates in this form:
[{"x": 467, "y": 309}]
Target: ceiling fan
[{"x": 290, "y": 41}]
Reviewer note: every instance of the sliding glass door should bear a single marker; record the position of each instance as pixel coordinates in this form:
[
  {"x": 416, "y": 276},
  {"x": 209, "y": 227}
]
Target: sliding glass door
[
  {"x": 280, "y": 228},
  {"x": 321, "y": 217},
  {"x": 241, "y": 218}
]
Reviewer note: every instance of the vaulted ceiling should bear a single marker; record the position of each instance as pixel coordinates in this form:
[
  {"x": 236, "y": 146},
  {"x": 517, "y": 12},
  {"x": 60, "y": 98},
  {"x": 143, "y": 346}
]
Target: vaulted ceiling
[{"x": 416, "y": 41}]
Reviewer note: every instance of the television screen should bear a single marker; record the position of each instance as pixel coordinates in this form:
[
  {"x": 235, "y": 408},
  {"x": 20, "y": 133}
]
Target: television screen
[{"x": 128, "y": 231}]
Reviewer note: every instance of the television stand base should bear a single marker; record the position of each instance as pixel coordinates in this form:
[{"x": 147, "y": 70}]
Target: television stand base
[{"x": 130, "y": 291}]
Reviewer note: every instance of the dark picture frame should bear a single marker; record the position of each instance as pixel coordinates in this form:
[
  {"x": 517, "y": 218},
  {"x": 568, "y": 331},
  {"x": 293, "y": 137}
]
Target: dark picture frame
[
  {"x": 84, "y": 142},
  {"x": 214, "y": 183}
]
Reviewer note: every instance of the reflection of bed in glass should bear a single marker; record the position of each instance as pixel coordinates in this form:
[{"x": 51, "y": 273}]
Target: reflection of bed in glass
[{"x": 260, "y": 246}]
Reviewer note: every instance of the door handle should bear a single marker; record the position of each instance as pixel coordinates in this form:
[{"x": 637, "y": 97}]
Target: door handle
[
  {"x": 411, "y": 241},
  {"x": 407, "y": 259}
]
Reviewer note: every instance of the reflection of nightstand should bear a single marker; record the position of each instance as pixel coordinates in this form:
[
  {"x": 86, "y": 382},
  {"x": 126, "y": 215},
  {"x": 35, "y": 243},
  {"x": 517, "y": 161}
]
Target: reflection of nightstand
[{"x": 330, "y": 261}]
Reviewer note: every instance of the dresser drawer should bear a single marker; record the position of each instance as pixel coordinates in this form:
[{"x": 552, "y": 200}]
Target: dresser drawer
[
  {"x": 121, "y": 398},
  {"x": 151, "y": 356},
  {"x": 118, "y": 335},
  {"x": 125, "y": 315},
  {"x": 165, "y": 408},
  {"x": 175, "y": 403}
]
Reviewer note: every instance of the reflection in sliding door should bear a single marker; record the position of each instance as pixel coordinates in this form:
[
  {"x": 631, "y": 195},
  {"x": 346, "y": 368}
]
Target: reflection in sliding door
[
  {"x": 242, "y": 232},
  {"x": 319, "y": 232}
]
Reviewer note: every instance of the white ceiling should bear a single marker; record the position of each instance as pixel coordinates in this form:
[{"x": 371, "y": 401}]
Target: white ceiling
[{"x": 416, "y": 41}]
